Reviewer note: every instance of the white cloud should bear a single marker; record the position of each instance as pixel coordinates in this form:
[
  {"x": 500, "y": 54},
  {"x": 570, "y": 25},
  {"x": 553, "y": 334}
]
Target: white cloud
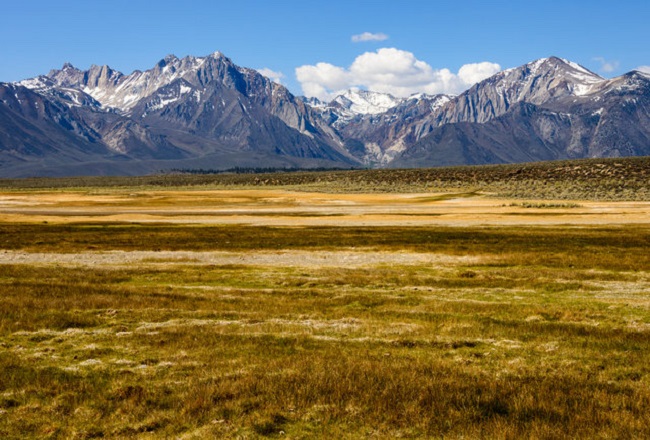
[
  {"x": 645, "y": 69},
  {"x": 272, "y": 75},
  {"x": 318, "y": 80},
  {"x": 607, "y": 66},
  {"x": 477, "y": 72},
  {"x": 369, "y": 36},
  {"x": 389, "y": 70}
]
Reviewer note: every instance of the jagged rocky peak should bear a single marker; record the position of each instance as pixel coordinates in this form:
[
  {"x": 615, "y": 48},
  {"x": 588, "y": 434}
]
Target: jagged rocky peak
[
  {"x": 67, "y": 76},
  {"x": 101, "y": 76},
  {"x": 537, "y": 82},
  {"x": 631, "y": 84},
  {"x": 171, "y": 65},
  {"x": 578, "y": 79},
  {"x": 545, "y": 78},
  {"x": 122, "y": 92},
  {"x": 635, "y": 75},
  {"x": 169, "y": 59},
  {"x": 557, "y": 63},
  {"x": 216, "y": 55},
  {"x": 434, "y": 102}
]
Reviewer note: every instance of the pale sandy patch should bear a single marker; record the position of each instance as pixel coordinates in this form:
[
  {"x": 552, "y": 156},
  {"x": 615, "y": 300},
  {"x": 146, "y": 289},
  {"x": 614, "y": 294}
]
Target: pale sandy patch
[
  {"x": 291, "y": 208},
  {"x": 293, "y": 258}
]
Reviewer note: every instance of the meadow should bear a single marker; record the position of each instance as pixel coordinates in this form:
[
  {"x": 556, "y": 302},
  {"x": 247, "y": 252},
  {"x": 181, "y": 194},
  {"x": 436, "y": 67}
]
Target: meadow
[{"x": 220, "y": 310}]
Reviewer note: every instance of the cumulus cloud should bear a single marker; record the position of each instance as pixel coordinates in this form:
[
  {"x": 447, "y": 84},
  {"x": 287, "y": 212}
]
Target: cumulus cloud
[
  {"x": 321, "y": 79},
  {"x": 477, "y": 72},
  {"x": 389, "y": 70},
  {"x": 607, "y": 66},
  {"x": 645, "y": 69},
  {"x": 369, "y": 36},
  {"x": 272, "y": 75}
]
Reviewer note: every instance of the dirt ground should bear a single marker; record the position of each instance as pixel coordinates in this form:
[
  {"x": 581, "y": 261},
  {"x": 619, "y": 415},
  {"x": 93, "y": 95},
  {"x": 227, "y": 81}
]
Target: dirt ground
[{"x": 287, "y": 208}]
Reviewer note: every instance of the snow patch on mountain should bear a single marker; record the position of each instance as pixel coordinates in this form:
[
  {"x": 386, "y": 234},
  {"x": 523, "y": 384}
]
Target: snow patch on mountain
[
  {"x": 123, "y": 92},
  {"x": 579, "y": 68},
  {"x": 643, "y": 73},
  {"x": 436, "y": 101},
  {"x": 364, "y": 102},
  {"x": 67, "y": 95},
  {"x": 38, "y": 83},
  {"x": 313, "y": 102}
]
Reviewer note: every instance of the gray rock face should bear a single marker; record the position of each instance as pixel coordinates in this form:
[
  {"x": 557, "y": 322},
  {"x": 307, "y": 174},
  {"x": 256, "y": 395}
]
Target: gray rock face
[
  {"x": 199, "y": 78},
  {"x": 377, "y": 127},
  {"x": 207, "y": 112},
  {"x": 183, "y": 113},
  {"x": 385, "y": 136},
  {"x": 566, "y": 119},
  {"x": 383, "y": 139},
  {"x": 539, "y": 82}
]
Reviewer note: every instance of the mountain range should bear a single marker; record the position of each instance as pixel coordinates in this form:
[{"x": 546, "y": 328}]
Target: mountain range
[{"x": 208, "y": 113}]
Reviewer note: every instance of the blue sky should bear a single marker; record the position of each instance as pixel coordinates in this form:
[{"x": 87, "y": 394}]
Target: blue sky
[{"x": 436, "y": 38}]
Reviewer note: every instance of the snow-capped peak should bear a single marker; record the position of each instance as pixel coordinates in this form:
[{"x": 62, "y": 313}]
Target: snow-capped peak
[
  {"x": 642, "y": 73},
  {"x": 560, "y": 76},
  {"x": 579, "y": 68},
  {"x": 435, "y": 101},
  {"x": 365, "y": 102},
  {"x": 575, "y": 70},
  {"x": 123, "y": 92},
  {"x": 68, "y": 66},
  {"x": 38, "y": 83}
]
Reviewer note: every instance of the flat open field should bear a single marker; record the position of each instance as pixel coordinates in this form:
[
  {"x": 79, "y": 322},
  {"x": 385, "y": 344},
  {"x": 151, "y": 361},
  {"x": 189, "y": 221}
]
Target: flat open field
[
  {"x": 247, "y": 312},
  {"x": 279, "y": 207}
]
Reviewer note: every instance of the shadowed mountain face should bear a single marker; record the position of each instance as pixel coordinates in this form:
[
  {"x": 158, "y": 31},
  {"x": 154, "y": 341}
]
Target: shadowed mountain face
[
  {"x": 207, "y": 112},
  {"x": 554, "y": 111},
  {"x": 184, "y": 113},
  {"x": 548, "y": 109},
  {"x": 376, "y": 134},
  {"x": 542, "y": 81}
]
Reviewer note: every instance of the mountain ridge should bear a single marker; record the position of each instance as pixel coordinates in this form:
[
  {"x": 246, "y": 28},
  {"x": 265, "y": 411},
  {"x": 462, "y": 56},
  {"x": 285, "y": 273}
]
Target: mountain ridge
[
  {"x": 599, "y": 118},
  {"x": 179, "y": 113},
  {"x": 209, "y": 111}
]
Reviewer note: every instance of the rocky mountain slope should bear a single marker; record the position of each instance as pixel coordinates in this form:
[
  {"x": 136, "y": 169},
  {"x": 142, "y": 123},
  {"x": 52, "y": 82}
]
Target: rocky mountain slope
[
  {"x": 208, "y": 113},
  {"x": 547, "y": 110},
  {"x": 183, "y": 113},
  {"x": 378, "y": 138},
  {"x": 539, "y": 82}
]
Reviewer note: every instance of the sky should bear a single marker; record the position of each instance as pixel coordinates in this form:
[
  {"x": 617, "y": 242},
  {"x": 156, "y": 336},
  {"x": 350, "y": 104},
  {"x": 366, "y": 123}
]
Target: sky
[{"x": 320, "y": 47}]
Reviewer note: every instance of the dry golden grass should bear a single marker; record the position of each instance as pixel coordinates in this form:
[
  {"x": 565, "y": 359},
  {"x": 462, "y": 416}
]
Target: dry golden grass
[
  {"x": 193, "y": 330},
  {"x": 282, "y": 207}
]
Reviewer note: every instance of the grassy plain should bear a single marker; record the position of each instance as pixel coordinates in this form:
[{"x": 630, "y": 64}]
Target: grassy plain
[{"x": 245, "y": 313}]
